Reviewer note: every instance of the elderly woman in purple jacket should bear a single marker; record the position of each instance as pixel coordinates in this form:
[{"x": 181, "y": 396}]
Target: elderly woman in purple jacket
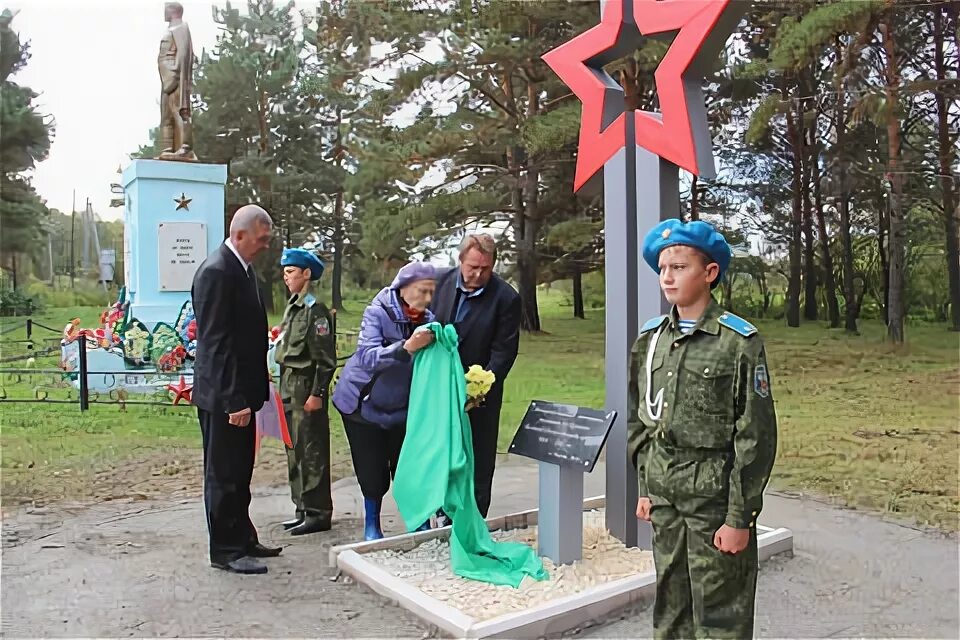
[{"x": 374, "y": 387}]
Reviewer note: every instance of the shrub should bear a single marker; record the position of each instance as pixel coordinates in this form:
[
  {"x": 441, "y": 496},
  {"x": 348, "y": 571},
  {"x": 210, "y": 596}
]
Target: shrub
[{"x": 14, "y": 302}]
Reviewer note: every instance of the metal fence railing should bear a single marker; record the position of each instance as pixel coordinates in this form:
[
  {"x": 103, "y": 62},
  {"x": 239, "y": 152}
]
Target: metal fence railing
[{"x": 78, "y": 380}]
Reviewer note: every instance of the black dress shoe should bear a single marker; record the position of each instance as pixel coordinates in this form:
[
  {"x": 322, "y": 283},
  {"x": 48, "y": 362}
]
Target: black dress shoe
[
  {"x": 260, "y": 551},
  {"x": 311, "y": 524},
  {"x": 246, "y": 565},
  {"x": 290, "y": 524}
]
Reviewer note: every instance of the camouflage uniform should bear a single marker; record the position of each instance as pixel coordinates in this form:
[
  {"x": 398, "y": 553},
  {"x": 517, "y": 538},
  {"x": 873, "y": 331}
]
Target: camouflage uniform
[
  {"x": 704, "y": 463},
  {"x": 307, "y": 356}
]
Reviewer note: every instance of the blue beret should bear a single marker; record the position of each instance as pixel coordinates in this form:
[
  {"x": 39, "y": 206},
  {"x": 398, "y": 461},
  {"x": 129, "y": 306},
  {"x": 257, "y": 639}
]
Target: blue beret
[
  {"x": 303, "y": 259},
  {"x": 698, "y": 234}
]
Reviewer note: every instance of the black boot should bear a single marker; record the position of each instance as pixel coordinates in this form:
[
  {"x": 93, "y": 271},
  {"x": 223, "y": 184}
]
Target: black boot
[
  {"x": 297, "y": 520},
  {"x": 311, "y": 524}
]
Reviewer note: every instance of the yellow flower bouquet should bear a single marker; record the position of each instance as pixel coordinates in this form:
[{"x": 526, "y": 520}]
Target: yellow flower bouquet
[{"x": 479, "y": 383}]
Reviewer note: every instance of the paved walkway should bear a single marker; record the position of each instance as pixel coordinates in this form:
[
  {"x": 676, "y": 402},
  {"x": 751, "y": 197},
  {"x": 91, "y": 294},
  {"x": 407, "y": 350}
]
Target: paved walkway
[{"x": 139, "y": 569}]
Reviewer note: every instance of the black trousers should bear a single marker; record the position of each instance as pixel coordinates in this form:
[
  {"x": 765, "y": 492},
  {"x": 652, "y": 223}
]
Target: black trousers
[
  {"x": 484, "y": 431},
  {"x": 227, "y": 469},
  {"x": 375, "y": 452}
]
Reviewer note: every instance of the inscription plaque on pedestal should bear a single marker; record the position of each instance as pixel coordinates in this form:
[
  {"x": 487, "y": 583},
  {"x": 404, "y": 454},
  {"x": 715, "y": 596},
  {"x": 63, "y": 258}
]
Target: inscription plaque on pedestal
[
  {"x": 183, "y": 247},
  {"x": 563, "y": 434}
]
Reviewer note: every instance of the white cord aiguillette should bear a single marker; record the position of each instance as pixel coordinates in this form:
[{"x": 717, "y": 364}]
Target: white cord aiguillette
[{"x": 654, "y": 407}]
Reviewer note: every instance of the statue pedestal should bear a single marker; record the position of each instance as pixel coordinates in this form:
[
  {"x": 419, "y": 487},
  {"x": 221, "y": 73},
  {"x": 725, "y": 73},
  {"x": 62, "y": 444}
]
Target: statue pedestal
[{"x": 174, "y": 214}]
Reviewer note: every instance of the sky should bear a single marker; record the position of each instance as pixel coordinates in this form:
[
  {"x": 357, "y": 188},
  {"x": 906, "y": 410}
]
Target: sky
[{"x": 93, "y": 62}]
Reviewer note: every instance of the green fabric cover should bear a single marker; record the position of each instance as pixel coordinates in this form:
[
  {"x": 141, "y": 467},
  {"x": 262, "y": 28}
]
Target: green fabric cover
[{"x": 435, "y": 469}]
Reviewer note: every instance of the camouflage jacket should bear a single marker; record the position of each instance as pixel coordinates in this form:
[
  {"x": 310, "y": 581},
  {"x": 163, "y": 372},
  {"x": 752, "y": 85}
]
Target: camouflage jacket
[
  {"x": 307, "y": 345},
  {"x": 716, "y": 399}
]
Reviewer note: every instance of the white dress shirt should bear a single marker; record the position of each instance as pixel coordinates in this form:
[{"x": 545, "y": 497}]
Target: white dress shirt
[{"x": 243, "y": 263}]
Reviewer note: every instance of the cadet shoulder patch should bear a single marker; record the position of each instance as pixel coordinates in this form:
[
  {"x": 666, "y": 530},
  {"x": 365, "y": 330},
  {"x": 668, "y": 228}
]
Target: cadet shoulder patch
[
  {"x": 652, "y": 324},
  {"x": 736, "y": 323},
  {"x": 322, "y": 327},
  {"x": 761, "y": 381}
]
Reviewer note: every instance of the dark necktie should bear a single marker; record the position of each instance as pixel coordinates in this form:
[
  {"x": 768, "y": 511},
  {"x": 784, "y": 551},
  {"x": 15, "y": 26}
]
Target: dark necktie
[
  {"x": 456, "y": 306},
  {"x": 253, "y": 281}
]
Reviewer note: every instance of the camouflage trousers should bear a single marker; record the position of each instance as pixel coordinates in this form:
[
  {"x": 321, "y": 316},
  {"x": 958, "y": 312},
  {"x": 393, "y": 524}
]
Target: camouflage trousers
[
  {"x": 308, "y": 462},
  {"x": 701, "y": 591}
]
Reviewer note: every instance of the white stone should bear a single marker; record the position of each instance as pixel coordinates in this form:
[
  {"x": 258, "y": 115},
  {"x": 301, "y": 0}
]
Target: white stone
[{"x": 427, "y": 568}]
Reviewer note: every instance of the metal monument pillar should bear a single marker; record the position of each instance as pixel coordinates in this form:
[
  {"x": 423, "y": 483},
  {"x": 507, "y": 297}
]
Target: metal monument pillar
[{"x": 640, "y": 154}]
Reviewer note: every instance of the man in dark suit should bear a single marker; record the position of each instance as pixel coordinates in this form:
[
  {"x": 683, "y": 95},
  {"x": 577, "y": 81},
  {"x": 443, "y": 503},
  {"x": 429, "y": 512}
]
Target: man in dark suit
[
  {"x": 486, "y": 313},
  {"x": 230, "y": 384}
]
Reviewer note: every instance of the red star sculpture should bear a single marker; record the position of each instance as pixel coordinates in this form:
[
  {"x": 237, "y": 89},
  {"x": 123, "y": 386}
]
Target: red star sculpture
[
  {"x": 181, "y": 390},
  {"x": 680, "y": 134}
]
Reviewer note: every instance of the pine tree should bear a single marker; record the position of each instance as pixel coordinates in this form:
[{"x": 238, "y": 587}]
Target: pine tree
[
  {"x": 492, "y": 71},
  {"x": 363, "y": 157},
  {"x": 24, "y": 142},
  {"x": 242, "y": 88}
]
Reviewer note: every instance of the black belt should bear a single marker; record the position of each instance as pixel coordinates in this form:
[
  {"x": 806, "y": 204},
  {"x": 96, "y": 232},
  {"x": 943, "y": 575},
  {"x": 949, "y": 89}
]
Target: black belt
[
  {"x": 307, "y": 370},
  {"x": 694, "y": 454}
]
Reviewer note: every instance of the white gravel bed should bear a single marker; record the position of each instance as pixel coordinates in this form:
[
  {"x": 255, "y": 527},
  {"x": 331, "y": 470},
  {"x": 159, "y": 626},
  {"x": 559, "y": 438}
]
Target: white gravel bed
[{"x": 428, "y": 568}]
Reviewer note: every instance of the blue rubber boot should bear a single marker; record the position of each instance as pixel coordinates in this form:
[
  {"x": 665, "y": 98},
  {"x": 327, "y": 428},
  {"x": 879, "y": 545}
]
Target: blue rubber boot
[{"x": 371, "y": 524}]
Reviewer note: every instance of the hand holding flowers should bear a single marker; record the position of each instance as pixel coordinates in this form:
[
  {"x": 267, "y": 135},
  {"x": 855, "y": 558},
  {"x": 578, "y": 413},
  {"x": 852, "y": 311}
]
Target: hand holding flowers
[{"x": 479, "y": 383}]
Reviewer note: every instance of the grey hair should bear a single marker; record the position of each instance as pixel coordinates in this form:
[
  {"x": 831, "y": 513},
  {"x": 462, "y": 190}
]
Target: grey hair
[
  {"x": 248, "y": 218},
  {"x": 482, "y": 242}
]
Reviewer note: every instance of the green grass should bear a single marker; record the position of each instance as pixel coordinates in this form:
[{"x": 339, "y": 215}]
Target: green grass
[{"x": 860, "y": 421}]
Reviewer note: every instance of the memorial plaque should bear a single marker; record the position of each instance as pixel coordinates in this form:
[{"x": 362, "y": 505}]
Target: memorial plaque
[
  {"x": 563, "y": 434},
  {"x": 183, "y": 247}
]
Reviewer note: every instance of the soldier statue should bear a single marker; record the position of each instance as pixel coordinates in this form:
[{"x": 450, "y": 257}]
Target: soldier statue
[{"x": 175, "y": 62}]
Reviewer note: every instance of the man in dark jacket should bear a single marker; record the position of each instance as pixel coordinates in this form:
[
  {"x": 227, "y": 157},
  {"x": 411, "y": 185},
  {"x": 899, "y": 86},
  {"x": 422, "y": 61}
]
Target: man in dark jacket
[
  {"x": 485, "y": 311},
  {"x": 230, "y": 385}
]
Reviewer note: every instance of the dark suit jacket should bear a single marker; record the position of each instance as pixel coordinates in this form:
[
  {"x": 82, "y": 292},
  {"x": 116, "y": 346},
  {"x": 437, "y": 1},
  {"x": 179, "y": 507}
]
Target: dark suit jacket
[
  {"x": 230, "y": 369},
  {"x": 490, "y": 331}
]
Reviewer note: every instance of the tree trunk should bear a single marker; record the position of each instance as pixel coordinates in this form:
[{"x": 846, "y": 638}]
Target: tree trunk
[
  {"x": 53, "y": 274},
  {"x": 525, "y": 229},
  {"x": 833, "y": 308},
  {"x": 694, "y": 199},
  {"x": 896, "y": 309},
  {"x": 883, "y": 233},
  {"x": 528, "y": 224},
  {"x": 336, "y": 277},
  {"x": 810, "y": 310},
  {"x": 828, "y": 278},
  {"x": 764, "y": 294},
  {"x": 631, "y": 86},
  {"x": 852, "y": 311},
  {"x": 528, "y": 229},
  {"x": 727, "y": 288},
  {"x": 577, "y": 293},
  {"x": 842, "y": 183},
  {"x": 796, "y": 243},
  {"x": 946, "y": 151},
  {"x": 266, "y": 274},
  {"x": 13, "y": 272}
]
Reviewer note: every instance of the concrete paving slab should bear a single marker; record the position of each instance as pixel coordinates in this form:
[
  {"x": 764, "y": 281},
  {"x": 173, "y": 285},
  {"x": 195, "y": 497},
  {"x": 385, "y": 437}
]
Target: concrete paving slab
[{"x": 138, "y": 568}]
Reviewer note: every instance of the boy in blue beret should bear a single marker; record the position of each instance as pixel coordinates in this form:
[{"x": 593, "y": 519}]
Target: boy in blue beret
[
  {"x": 307, "y": 354},
  {"x": 703, "y": 436}
]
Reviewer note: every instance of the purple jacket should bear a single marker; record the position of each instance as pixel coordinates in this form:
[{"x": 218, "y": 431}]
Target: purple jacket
[{"x": 376, "y": 378}]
